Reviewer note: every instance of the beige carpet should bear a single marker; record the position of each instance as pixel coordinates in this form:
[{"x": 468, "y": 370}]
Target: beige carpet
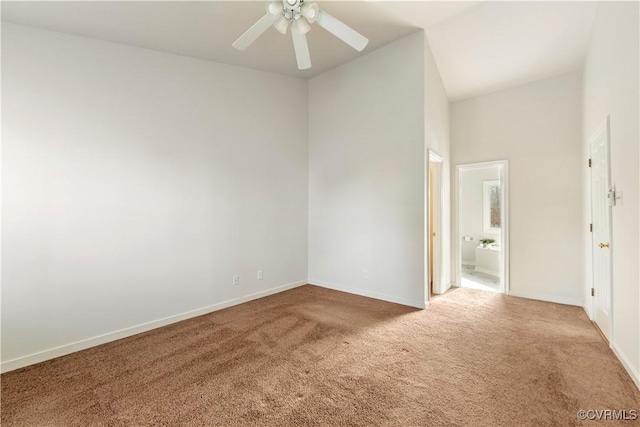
[{"x": 312, "y": 356}]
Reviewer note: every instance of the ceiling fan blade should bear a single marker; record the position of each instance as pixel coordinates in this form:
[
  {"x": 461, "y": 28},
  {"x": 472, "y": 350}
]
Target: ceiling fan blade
[
  {"x": 342, "y": 31},
  {"x": 256, "y": 30},
  {"x": 302, "y": 49}
]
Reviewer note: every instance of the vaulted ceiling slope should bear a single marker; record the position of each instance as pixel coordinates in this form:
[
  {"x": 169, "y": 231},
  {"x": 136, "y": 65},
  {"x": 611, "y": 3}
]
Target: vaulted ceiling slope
[
  {"x": 496, "y": 45},
  {"x": 479, "y": 46}
]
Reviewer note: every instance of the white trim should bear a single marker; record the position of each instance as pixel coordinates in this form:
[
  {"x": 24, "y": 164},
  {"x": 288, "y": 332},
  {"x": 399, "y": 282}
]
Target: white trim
[
  {"x": 369, "y": 294},
  {"x": 546, "y": 297},
  {"x": 434, "y": 157},
  {"x": 506, "y": 233},
  {"x": 426, "y": 165},
  {"x": 626, "y": 365},
  {"x": 590, "y": 300},
  {"x": 63, "y": 350}
]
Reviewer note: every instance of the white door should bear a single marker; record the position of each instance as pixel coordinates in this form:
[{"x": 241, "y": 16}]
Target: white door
[{"x": 601, "y": 237}]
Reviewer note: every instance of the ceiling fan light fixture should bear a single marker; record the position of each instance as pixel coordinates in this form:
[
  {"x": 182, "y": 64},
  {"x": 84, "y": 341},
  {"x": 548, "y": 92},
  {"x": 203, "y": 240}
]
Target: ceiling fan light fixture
[
  {"x": 282, "y": 24},
  {"x": 275, "y": 8},
  {"x": 281, "y": 13},
  {"x": 301, "y": 26},
  {"x": 311, "y": 11}
]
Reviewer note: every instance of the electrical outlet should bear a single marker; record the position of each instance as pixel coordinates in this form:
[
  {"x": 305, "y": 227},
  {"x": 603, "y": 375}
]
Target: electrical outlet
[
  {"x": 365, "y": 274},
  {"x": 259, "y": 274},
  {"x": 236, "y": 280}
]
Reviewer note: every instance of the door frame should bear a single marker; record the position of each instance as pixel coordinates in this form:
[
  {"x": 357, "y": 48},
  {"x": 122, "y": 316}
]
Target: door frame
[
  {"x": 604, "y": 128},
  {"x": 432, "y": 156},
  {"x": 504, "y": 235}
]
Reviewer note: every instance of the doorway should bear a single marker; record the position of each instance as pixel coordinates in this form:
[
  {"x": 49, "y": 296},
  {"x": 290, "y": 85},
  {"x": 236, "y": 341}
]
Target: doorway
[
  {"x": 433, "y": 240},
  {"x": 602, "y": 200},
  {"x": 482, "y": 218}
]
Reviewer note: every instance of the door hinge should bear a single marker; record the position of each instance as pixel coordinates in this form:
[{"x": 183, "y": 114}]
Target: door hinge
[
  {"x": 589, "y": 162},
  {"x": 593, "y": 292},
  {"x": 591, "y": 228}
]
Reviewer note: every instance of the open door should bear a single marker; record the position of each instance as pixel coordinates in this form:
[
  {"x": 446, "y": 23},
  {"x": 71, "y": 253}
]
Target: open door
[
  {"x": 481, "y": 224},
  {"x": 602, "y": 199},
  {"x": 434, "y": 225}
]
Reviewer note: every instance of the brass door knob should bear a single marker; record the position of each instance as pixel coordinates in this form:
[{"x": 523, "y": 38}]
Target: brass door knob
[{"x": 604, "y": 245}]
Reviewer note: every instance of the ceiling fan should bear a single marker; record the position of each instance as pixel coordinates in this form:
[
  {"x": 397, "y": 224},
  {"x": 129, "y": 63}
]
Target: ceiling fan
[{"x": 298, "y": 14}]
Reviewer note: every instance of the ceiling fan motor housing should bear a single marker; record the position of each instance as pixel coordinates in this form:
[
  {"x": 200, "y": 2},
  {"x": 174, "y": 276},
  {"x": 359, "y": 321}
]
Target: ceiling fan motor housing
[
  {"x": 292, "y": 5},
  {"x": 292, "y": 9}
]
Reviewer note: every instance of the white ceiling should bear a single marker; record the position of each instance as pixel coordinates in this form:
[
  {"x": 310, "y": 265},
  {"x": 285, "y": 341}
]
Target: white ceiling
[{"x": 479, "y": 46}]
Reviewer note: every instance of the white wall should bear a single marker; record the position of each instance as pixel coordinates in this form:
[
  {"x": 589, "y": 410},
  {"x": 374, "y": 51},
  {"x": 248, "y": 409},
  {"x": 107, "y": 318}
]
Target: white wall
[
  {"x": 437, "y": 138},
  {"x": 537, "y": 127},
  {"x": 136, "y": 184},
  {"x": 472, "y": 210},
  {"x": 367, "y": 174},
  {"x": 611, "y": 88}
]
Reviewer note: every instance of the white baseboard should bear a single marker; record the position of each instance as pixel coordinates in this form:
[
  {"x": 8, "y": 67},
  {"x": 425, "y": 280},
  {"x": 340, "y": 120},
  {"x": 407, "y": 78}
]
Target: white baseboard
[
  {"x": 627, "y": 366},
  {"x": 545, "y": 297},
  {"x": 369, "y": 294},
  {"x": 63, "y": 350},
  {"x": 587, "y": 310}
]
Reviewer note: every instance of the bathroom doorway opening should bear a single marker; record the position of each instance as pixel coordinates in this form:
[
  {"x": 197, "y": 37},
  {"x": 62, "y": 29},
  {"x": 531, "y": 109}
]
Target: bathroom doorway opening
[
  {"x": 482, "y": 226},
  {"x": 433, "y": 240}
]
